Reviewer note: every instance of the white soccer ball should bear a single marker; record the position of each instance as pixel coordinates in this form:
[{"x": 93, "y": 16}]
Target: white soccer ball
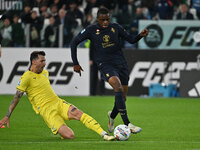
[{"x": 122, "y": 132}]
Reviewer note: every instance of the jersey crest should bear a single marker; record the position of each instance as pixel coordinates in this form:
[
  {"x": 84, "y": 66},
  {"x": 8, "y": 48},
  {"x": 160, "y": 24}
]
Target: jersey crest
[{"x": 106, "y": 38}]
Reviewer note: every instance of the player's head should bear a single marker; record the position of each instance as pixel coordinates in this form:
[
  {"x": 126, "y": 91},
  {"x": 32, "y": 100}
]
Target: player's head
[
  {"x": 103, "y": 17},
  {"x": 38, "y": 61}
]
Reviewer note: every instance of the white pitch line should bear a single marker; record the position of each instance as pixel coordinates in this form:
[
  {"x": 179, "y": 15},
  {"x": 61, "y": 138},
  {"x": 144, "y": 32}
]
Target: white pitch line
[{"x": 104, "y": 142}]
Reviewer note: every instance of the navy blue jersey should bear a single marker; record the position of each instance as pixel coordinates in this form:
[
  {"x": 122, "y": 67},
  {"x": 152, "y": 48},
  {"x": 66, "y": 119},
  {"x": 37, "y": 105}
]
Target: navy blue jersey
[{"x": 106, "y": 42}]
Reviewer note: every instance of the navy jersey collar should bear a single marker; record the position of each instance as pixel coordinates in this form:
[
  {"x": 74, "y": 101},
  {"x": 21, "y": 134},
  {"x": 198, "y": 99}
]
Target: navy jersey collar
[{"x": 99, "y": 27}]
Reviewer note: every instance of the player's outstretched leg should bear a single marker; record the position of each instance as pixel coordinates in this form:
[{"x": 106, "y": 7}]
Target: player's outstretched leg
[
  {"x": 92, "y": 124},
  {"x": 89, "y": 122}
]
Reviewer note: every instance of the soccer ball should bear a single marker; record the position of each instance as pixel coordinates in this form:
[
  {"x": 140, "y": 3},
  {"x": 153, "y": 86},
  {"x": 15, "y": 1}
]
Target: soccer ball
[{"x": 122, "y": 132}]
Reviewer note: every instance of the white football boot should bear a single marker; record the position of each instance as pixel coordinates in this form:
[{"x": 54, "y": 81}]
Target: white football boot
[
  {"x": 111, "y": 123},
  {"x": 134, "y": 129},
  {"x": 107, "y": 137}
]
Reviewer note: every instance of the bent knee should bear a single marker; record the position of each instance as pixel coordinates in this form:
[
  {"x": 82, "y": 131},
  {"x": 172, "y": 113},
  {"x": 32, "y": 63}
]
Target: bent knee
[
  {"x": 66, "y": 132},
  {"x": 118, "y": 88}
]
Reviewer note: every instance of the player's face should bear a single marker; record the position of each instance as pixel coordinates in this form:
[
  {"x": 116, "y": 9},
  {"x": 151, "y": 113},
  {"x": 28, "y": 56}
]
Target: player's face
[
  {"x": 104, "y": 20},
  {"x": 40, "y": 63}
]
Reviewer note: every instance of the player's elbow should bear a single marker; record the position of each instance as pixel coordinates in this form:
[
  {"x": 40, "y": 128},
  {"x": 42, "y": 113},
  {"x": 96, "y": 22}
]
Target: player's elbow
[{"x": 132, "y": 41}]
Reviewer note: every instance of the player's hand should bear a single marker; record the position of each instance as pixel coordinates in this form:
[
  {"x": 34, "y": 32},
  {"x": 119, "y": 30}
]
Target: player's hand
[
  {"x": 78, "y": 69},
  {"x": 4, "y": 121},
  {"x": 144, "y": 32}
]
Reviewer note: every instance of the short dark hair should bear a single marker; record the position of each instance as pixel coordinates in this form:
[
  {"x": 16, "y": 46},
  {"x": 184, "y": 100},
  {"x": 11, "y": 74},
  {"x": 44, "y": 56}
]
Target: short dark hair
[
  {"x": 34, "y": 55},
  {"x": 103, "y": 10}
]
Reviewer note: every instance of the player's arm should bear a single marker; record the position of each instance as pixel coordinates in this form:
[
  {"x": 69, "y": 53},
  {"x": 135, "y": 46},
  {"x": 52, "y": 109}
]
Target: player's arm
[
  {"x": 83, "y": 35},
  {"x": 12, "y": 106},
  {"x": 127, "y": 36}
]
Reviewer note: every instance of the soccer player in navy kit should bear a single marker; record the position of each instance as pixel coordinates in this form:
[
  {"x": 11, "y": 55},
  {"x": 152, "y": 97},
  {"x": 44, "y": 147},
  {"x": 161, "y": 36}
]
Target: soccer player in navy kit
[{"x": 110, "y": 60}]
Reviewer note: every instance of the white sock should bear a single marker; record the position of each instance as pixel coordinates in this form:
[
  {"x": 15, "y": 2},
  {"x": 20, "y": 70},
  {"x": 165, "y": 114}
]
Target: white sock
[{"x": 103, "y": 133}]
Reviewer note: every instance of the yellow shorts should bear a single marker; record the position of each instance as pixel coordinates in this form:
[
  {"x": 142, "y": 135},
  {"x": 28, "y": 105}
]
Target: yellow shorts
[{"x": 55, "y": 115}]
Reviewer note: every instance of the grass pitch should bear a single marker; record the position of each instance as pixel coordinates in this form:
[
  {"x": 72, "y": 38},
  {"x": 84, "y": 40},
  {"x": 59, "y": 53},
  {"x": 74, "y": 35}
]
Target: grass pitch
[{"x": 167, "y": 123}]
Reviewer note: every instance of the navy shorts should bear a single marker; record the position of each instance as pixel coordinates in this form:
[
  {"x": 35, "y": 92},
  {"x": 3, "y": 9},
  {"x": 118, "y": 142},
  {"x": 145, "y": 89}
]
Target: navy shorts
[{"x": 109, "y": 70}]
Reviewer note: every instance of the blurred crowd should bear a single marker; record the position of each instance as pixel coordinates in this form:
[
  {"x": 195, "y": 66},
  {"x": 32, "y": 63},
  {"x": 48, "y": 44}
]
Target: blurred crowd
[{"x": 44, "y": 18}]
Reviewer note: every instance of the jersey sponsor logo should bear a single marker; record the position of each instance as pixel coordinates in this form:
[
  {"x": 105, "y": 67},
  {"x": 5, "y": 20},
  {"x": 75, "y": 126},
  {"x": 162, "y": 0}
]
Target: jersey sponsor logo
[
  {"x": 106, "y": 38},
  {"x": 106, "y": 43}
]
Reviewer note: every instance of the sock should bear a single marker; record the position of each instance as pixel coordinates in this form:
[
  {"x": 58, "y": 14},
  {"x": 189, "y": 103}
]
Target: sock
[
  {"x": 91, "y": 123},
  {"x": 103, "y": 133},
  {"x": 121, "y": 106},
  {"x": 114, "y": 111}
]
